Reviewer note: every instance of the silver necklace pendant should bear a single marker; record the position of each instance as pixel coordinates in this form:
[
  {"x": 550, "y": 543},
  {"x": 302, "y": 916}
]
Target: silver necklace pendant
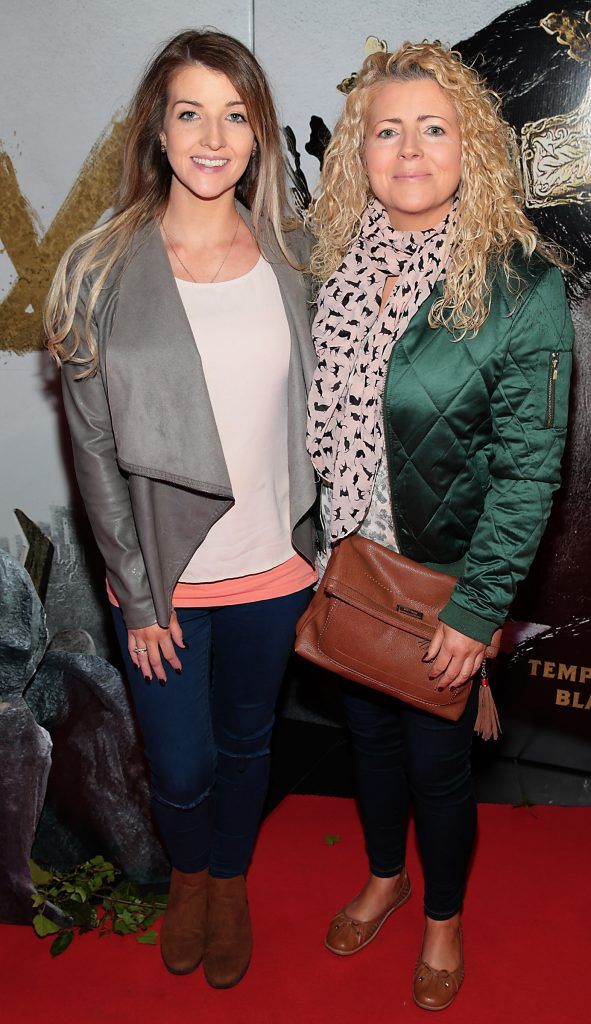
[{"x": 186, "y": 269}]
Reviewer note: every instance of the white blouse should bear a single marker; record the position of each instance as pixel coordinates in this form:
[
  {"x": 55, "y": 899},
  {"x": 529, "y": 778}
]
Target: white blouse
[{"x": 243, "y": 338}]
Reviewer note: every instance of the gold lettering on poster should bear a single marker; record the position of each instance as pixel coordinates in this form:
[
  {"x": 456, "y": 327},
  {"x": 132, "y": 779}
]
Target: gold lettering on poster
[
  {"x": 566, "y": 699},
  {"x": 540, "y": 669},
  {"x": 558, "y": 670},
  {"x": 34, "y": 260}
]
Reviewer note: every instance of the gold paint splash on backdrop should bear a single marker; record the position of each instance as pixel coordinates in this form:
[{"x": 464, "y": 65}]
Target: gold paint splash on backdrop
[{"x": 35, "y": 261}]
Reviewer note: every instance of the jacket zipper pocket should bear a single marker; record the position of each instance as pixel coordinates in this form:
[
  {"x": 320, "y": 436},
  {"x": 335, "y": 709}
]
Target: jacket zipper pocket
[{"x": 552, "y": 375}]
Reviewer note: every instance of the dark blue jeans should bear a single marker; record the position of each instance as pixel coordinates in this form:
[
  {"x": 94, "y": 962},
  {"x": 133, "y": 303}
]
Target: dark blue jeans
[
  {"x": 207, "y": 732},
  {"x": 400, "y": 754}
]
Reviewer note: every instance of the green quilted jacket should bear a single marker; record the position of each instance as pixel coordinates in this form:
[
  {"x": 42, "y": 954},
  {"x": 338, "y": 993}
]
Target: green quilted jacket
[{"x": 475, "y": 432}]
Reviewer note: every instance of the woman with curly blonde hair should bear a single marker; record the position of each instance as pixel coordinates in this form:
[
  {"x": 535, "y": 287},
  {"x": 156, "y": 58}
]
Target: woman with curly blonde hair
[{"x": 437, "y": 421}]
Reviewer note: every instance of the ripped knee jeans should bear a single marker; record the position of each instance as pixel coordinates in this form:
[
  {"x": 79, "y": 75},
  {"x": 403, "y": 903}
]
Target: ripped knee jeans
[{"x": 207, "y": 732}]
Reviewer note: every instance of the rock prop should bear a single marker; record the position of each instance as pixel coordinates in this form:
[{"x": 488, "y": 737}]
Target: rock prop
[
  {"x": 25, "y": 747},
  {"x": 97, "y": 795},
  {"x": 39, "y": 554},
  {"x": 66, "y": 710}
]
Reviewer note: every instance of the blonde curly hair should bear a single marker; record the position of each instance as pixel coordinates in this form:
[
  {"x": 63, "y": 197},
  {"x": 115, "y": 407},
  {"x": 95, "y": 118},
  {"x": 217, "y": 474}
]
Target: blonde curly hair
[{"x": 490, "y": 221}]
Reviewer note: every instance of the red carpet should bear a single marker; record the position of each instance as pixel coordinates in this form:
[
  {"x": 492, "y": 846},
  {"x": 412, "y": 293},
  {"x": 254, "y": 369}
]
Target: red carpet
[{"x": 528, "y": 941}]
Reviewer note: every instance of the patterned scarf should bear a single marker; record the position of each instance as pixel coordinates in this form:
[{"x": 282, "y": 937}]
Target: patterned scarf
[{"x": 344, "y": 438}]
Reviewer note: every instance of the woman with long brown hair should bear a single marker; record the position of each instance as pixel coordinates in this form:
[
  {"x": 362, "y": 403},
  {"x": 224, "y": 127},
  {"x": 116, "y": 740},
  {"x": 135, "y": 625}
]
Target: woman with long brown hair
[
  {"x": 437, "y": 421},
  {"x": 181, "y": 327}
]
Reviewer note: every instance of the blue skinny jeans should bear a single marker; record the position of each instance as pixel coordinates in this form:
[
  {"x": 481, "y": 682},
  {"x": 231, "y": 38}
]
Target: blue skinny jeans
[
  {"x": 401, "y": 754},
  {"x": 207, "y": 732}
]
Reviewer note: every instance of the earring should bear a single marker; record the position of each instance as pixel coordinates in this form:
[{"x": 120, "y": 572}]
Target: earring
[
  {"x": 162, "y": 144},
  {"x": 254, "y": 148}
]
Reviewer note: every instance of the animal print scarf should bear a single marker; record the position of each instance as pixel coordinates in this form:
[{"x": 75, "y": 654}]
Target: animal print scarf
[{"x": 354, "y": 343}]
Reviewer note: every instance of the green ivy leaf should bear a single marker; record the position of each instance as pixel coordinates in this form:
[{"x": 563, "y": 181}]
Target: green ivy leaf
[
  {"x": 39, "y": 875},
  {"x": 43, "y": 926},
  {"x": 148, "y": 938},
  {"x": 61, "y": 943},
  {"x": 130, "y": 921},
  {"x": 122, "y": 929},
  {"x": 90, "y": 899},
  {"x": 331, "y": 840}
]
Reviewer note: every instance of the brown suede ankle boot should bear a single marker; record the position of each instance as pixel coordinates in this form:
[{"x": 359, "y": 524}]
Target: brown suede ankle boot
[
  {"x": 182, "y": 936},
  {"x": 228, "y": 945}
]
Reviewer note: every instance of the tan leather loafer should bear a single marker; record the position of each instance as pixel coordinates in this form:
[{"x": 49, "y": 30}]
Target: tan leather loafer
[
  {"x": 346, "y": 935},
  {"x": 182, "y": 936},
  {"x": 436, "y": 990}
]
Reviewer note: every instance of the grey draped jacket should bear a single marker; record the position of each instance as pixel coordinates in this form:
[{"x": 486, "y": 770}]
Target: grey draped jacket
[{"x": 147, "y": 452}]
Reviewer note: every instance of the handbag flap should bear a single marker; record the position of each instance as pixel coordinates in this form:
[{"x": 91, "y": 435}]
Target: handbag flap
[{"x": 387, "y": 585}]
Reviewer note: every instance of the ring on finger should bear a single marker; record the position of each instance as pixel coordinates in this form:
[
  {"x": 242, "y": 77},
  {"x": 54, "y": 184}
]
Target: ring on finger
[{"x": 141, "y": 650}]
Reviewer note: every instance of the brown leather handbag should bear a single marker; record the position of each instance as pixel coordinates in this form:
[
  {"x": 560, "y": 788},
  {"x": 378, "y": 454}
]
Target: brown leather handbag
[{"x": 372, "y": 620}]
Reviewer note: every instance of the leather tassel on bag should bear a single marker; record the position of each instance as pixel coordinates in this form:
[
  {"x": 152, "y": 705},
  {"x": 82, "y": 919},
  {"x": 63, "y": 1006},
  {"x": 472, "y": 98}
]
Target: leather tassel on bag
[{"x": 487, "y": 720}]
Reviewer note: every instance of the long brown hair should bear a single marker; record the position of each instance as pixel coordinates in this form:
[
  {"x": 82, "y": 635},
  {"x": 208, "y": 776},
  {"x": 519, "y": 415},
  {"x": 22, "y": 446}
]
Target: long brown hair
[{"x": 146, "y": 180}]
